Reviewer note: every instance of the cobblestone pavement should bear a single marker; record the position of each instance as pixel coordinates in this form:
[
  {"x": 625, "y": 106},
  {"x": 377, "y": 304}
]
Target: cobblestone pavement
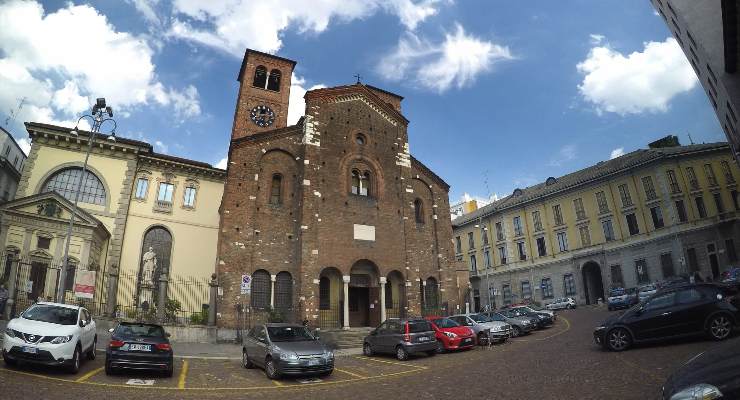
[{"x": 561, "y": 362}]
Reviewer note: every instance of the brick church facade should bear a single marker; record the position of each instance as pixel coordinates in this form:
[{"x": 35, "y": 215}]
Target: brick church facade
[{"x": 332, "y": 218}]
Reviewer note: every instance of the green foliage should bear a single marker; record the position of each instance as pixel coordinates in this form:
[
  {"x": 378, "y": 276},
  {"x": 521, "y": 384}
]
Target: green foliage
[
  {"x": 171, "y": 308},
  {"x": 199, "y": 318}
]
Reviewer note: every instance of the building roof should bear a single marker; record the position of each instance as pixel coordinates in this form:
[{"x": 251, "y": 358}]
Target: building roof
[
  {"x": 585, "y": 176},
  {"x": 14, "y": 141},
  {"x": 337, "y": 91},
  {"x": 399, "y": 97},
  {"x": 430, "y": 173},
  {"x": 244, "y": 61}
]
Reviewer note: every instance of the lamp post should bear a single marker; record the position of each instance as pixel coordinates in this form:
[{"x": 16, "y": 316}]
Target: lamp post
[{"x": 100, "y": 114}]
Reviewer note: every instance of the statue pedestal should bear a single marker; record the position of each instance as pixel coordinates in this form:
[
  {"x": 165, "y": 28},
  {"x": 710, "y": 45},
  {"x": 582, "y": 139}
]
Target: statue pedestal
[{"x": 146, "y": 300}]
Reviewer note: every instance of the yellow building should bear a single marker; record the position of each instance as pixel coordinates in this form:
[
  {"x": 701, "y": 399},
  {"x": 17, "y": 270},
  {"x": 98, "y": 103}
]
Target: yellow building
[
  {"x": 132, "y": 199},
  {"x": 640, "y": 218}
]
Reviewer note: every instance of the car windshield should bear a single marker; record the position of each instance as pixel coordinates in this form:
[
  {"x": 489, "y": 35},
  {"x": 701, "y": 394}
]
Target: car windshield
[
  {"x": 419, "y": 326},
  {"x": 534, "y": 307},
  {"x": 289, "y": 334},
  {"x": 616, "y": 292},
  {"x": 51, "y": 314},
  {"x": 141, "y": 330},
  {"x": 497, "y": 316},
  {"x": 647, "y": 288},
  {"x": 480, "y": 318},
  {"x": 445, "y": 323}
]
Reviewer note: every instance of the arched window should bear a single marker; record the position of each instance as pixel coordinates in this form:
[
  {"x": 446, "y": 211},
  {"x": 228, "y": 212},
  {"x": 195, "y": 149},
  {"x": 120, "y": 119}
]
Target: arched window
[
  {"x": 260, "y": 298},
  {"x": 260, "y": 77},
  {"x": 419, "y": 211},
  {"x": 389, "y": 294},
  {"x": 160, "y": 240},
  {"x": 324, "y": 293},
  {"x": 365, "y": 184},
  {"x": 276, "y": 190},
  {"x": 284, "y": 291},
  {"x": 431, "y": 295},
  {"x": 65, "y": 183},
  {"x": 360, "y": 183},
  {"x": 274, "y": 82}
]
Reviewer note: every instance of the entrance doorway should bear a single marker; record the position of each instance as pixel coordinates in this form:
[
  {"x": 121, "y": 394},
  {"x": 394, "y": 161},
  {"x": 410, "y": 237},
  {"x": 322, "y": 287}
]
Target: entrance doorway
[
  {"x": 364, "y": 294},
  {"x": 37, "y": 277},
  {"x": 593, "y": 285},
  {"x": 359, "y": 305}
]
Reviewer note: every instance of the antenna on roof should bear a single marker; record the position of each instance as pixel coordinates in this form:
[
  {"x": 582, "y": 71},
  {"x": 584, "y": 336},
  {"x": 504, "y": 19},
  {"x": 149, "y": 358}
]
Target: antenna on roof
[
  {"x": 358, "y": 77},
  {"x": 690, "y": 139},
  {"x": 14, "y": 113}
]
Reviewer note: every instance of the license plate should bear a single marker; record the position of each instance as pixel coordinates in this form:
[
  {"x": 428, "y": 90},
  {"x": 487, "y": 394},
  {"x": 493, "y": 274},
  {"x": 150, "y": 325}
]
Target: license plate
[
  {"x": 466, "y": 341},
  {"x": 423, "y": 339},
  {"x": 313, "y": 361},
  {"x": 140, "y": 347},
  {"x": 30, "y": 350}
]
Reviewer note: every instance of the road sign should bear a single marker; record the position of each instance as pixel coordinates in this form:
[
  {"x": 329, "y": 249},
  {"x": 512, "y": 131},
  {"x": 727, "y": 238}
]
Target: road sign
[{"x": 246, "y": 286}]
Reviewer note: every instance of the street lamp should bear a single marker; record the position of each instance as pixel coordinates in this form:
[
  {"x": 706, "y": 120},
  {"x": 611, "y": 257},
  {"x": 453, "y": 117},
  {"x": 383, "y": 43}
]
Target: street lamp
[{"x": 100, "y": 114}]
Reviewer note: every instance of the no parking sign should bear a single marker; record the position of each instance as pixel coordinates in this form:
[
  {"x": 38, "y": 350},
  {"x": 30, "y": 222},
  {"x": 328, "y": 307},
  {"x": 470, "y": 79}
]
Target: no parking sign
[{"x": 246, "y": 284}]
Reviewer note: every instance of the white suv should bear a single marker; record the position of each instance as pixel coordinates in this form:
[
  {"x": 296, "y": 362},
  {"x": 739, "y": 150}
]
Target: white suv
[
  {"x": 50, "y": 334},
  {"x": 561, "y": 303}
]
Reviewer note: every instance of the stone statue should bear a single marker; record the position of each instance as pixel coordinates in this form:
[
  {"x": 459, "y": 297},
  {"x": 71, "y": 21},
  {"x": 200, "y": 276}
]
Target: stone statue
[{"x": 150, "y": 265}]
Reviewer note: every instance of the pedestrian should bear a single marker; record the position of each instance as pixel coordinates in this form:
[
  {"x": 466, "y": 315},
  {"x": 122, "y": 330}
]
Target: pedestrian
[{"x": 3, "y": 299}]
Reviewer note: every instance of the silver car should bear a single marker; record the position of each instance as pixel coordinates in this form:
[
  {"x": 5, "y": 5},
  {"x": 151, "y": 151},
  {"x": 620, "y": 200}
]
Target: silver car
[
  {"x": 646, "y": 291},
  {"x": 286, "y": 349},
  {"x": 519, "y": 325},
  {"x": 486, "y": 330}
]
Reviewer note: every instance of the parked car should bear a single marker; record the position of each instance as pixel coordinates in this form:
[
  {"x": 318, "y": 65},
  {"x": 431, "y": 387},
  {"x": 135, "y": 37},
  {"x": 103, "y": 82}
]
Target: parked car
[
  {"x": 537, "y": 310},
  {"x": 519, "y": 325},
  {"x": 139, "y": 346},
  {"x": 486, "y": 330},
  {"x": 286, "y": 349},
  {"x": 713, "y": 374},
  {"x": 646, "y": 291},
  {"x": 401, "y": 337},
  {"x": 620, "y": 298},
  {"x": 673, "y": 281},
  {"x": 559, "y": 304},
  {"x": 50, "y": 334},
  {"x": 543, "y": 320},
  {"x": 691, "y": 309},
  {"x": 451, "y": 335},
  {"x": 732, "y": 275}
]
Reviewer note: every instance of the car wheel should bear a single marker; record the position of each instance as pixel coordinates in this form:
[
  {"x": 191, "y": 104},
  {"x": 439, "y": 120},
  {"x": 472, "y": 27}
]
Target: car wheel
[
  {"x": 91, "y": 353},
  {"x": 401, "y": 353},
  {"x": 367, "y": 350},
  {"x": 516, "y": 331},
  {"x": 720, "y": 327},
  {"x": 440, "y": 346},
  {"x": 246, "y": 362},
  {"x": 271, "y": 369},
  {"x": 108, "y": 368},
  {"x": 10, "y": 362},
  {"x": 618, "y": 339},
  {"x": 74, "y": 366}
]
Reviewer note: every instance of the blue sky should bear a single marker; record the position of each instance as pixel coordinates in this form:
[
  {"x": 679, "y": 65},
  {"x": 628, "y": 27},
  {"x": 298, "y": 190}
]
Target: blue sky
[{"x": 506, "y": 92}]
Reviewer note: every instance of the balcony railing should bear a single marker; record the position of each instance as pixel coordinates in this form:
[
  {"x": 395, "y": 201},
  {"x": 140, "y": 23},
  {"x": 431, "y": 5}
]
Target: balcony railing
[{"x": 163, "y": 206}]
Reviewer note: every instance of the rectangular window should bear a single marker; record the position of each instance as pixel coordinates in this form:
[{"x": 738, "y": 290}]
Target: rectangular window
[
  {"x": 471, "y": 241},
  {"x": 657, "y": 217},
  {"x": 700, "y": 208},
  {"x": 632, "y": 226},
  {"x": 601, "y": 201},
  {"x": 641, "y": 271},
  {"x": 541, "y": 247},
  {"x": 563, "y": 241},
  {"x": 606, "y": 225},
  {"x": 69, "y": 279},
  {"x": 537, "y": 221},
  {"x": 624, "y": 195},
  {"x": 487, "y": 259},
  {"x": 666, "y": 265},
  {"x": 484, "y": 235},
  {"x": 458, "y": 245},
  {"x": 502, "y": 254},
  {"x": 681, "y": 211},
  {"x": 673, "y": 182},
  {"x": 473, "y": 263},
  {"x": 731, "y": 251},
  {"x": 617, "y": 280},
  {"x": 165, "y": 192},
  {"x": 142, "y": 186},
  {"x": 709, "y": 172},
  {"x": 547, "y": 292},
  {"x": 506, "y": 292},
  {"x": 729, "y": 178},
  {"x": 522, "y": 251},
  {"x": 557, "y": 215},
  {"x": 43, "y": 243},
  {"x": 526, "y": 290},
  {"x": 580, "y": 211},
  {"x": 189, "y": 200},
  {"x": 647, "y": 184},
  {"x": 499, "y": 231},
  {"x": 517, "y": 221},
  {"x": 693, "y": 261},
  {"x": 569, "y": 285},
  {"x": 693, "y": 182},
  {"x": 718, "y": 203},
  {"x": 585, "y": 236}
]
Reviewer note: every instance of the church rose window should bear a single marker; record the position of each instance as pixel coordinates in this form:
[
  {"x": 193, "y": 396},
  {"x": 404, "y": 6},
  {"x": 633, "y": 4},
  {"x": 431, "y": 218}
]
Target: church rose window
[{"x": 66, "y": 181}]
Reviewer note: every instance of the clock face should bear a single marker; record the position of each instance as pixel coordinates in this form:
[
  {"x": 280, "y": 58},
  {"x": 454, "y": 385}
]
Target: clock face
[{"x": 262, "y": 116}]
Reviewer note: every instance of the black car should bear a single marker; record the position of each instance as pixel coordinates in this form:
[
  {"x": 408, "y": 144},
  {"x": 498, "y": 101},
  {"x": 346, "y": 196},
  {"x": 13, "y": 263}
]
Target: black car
[
  {"x": 543, "y": 320},
  {"x": 676, "y": 311},
  {"x": 139, "y": 346},
  {"x": 713, "y": 374}
]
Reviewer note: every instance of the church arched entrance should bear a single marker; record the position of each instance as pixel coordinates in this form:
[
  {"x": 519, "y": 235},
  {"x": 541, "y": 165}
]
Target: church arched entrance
[
  {"x": 593, "y": 286},
  {"x": 364, "y": 294}
]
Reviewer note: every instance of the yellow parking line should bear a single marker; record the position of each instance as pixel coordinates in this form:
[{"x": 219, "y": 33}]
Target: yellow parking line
[
  {"x": 183, "y": 375},
  {"x": 350, "y": 373},
  {"x": 391, "y": 362},
  {"x": 277, "y": 383},
  {"x": 567, "y": 328},
  {"x": 89, "y": 375}
]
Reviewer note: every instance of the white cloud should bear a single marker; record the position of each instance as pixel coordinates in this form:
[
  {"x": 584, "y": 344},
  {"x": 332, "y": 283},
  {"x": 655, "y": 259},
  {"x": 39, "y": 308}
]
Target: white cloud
[
  {"x": 639, "y": 82},
  {"x": 596, "y": 39},
  {"x": 618, "y": 152},
  {"x": 61, "y": 61},
  {"x": 222, "y": 163},
  {"x": 160, "y": 147},
  {"x": 147, "y": 9},
  {"x": 297, "y": 104},
  {"x": 565, "y": 154},
  {"x": 455, "y": 62},
  {"x": 25, "y": 145},
  {"x": 233, "y": 25}
]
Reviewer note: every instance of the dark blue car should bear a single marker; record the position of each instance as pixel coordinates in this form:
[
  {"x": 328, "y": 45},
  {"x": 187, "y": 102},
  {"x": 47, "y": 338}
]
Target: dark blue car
[{"x": 621, "y": 298}]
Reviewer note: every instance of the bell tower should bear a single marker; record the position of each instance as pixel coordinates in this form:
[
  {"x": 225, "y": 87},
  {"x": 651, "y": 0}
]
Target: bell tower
[{"x": 264, "y": 90}]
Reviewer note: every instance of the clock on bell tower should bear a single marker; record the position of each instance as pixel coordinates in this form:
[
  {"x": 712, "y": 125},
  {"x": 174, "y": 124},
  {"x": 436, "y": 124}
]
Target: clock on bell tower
[{"x": 264, "y": 90}]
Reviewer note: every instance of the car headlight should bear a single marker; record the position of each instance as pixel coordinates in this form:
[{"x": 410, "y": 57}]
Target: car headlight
[
  {"x": 450, "y": 335},
  {"x": 61, "y": 339},
  {"x": 600, "y": 328},
  {"x": 9, "y": 332},
  {"x": 328, "y": 354},
  {"x": 525, "y": 322},
  {"x": 701, "y": 391},
  {"x": 289, "y": 356},
  {"x": 495, "y": 329}
]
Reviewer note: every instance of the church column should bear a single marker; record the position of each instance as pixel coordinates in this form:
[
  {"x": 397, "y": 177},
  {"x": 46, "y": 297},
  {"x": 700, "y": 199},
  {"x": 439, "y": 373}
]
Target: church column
[
  {"x": 345, "y": 279},
  {"x": 382, "y": 298},
  {"x": 272, "y": 290}
]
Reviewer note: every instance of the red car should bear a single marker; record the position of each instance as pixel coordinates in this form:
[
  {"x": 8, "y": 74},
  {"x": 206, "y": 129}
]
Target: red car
[{"x": 451, "y": 335}]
